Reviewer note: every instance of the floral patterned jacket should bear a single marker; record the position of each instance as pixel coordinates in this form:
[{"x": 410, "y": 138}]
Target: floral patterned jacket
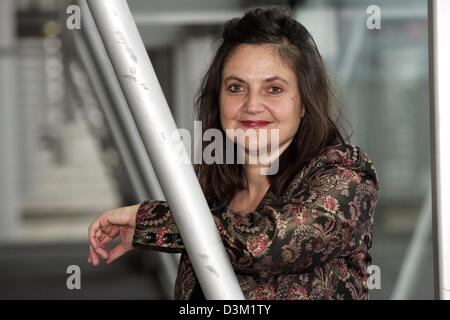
[{"x": 311, "y": 243}]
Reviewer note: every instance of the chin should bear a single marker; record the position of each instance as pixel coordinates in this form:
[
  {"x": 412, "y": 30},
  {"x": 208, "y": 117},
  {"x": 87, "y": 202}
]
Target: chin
[{"x": 255, "y": 146}]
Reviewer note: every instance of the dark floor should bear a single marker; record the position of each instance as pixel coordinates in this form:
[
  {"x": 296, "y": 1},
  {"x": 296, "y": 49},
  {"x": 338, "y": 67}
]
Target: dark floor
[{"x": 39, "y": 272}]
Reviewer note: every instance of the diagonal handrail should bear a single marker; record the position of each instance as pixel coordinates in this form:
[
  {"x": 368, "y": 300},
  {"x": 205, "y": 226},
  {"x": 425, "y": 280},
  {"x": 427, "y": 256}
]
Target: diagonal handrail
[{"x": 167, "y": 154}]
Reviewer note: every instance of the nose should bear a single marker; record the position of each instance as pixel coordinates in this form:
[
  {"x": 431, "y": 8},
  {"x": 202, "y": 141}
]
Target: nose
[{"x": 254, "y": 103}]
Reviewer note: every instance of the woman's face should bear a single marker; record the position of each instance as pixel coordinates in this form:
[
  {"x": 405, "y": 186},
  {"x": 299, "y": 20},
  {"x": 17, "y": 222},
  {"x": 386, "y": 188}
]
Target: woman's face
[{"x": 259, "y": 91}]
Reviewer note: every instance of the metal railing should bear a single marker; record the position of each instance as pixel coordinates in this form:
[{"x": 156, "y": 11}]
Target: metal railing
[
  {"x": 157, "y": 129},
  {"x": 118, "y": 118},
  {"x": 439, "y": 46}
]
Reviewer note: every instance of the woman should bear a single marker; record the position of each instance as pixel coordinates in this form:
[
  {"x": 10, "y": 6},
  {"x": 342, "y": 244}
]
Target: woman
[{"x": 304, "y": 232}]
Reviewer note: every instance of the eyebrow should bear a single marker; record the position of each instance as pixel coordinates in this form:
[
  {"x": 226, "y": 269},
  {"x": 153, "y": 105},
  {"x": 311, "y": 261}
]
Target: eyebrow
[{"x": 233, "y": 77}]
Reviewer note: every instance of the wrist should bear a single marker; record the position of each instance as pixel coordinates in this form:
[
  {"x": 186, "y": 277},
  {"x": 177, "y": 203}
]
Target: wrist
[{"x": 132, "y": 212}]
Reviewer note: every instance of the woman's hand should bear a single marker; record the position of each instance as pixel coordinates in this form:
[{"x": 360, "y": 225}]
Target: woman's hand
[{"x": 110, "y": 224}]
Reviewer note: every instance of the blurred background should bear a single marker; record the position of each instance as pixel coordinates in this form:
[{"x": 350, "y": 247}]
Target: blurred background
[{"x": 64, "y": 148}]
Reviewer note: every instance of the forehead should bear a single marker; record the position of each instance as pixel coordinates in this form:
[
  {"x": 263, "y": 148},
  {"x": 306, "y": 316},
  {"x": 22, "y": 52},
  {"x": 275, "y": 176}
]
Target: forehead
[{"x": 256, "y": 60}]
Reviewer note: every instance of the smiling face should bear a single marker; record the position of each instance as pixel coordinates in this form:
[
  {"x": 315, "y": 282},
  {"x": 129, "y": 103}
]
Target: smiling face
[{"x": 259, "y": 91}]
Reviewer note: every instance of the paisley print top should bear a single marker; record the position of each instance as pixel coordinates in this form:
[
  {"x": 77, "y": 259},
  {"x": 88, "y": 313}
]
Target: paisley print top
[{"x": 313, "y": 242}]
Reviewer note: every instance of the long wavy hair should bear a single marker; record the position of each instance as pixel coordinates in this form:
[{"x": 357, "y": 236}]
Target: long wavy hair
[{"x": 317, "y": 130}]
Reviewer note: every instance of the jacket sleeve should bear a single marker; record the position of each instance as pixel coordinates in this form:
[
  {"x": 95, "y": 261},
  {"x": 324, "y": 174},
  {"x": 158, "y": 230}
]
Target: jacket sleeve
[
  {"x": 156, "y": 229},
  {"x": 330, "y": 214}
]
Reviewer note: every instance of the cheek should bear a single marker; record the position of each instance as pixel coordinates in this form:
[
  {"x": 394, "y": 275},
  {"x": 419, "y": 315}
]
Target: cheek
[
  {"x": 226, "y": 116},
  {"x": 296, "y": 110},
  {"x": 229, "y": 109},
  {"x": 288, "y": 114},
  {"x": 286, "y": 111}
]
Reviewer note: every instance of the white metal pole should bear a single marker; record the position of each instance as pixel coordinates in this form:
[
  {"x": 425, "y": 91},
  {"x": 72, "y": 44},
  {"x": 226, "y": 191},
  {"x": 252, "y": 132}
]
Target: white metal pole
[
  {"x": 123, "y": 129},
  {"x": 168, "y": 156},
  {"x": 125, "y": 152},
  {"x": 9, "y": 172},
  {"x": 411, "y": 265},
  {"x": 119, "y": 106},
  {"x": 439, "y": 26}
]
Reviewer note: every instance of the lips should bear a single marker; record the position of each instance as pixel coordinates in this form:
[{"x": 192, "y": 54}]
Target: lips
[{"x": 255, "y": 123}]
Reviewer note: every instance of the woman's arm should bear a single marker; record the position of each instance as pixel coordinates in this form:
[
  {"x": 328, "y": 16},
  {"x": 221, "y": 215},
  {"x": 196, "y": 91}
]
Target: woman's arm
[
  {"x": 148, "y": 225},
  {"x": 329, "y": 214}
]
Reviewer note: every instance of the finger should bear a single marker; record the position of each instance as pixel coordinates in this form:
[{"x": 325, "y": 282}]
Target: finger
[
  {"x": 102, "y": 252},
  {"x": 92, "y": 231},
  {"x": 90, "y": 260},
  {"x": 98, "y": 238},
  {"x": 99, "y": 228},
  {"x": 112, "y": 234},
  {"x": 94, "y": 258},
  {"x": 116, "y": 252},
  {"x": 105, "y": 241}
]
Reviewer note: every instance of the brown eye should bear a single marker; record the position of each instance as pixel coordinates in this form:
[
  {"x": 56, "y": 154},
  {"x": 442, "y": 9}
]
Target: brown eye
[
  {"x": 275, "y": 90},
  {"x": 235, "y": 88}
]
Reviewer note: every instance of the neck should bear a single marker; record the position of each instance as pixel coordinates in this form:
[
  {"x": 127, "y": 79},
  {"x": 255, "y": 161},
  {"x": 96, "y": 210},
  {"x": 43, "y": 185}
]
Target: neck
[
  {"x": 256, "y": 166},
  {"x": 257, "y": 183}
]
